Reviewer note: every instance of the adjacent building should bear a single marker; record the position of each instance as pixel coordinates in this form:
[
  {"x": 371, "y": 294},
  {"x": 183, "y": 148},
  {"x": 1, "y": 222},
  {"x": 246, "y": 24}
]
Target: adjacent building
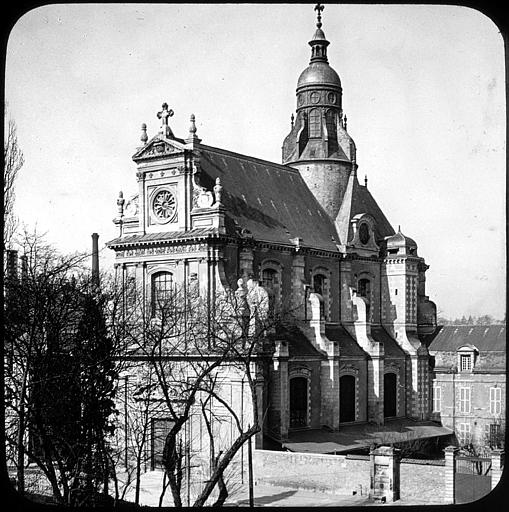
[{"x": 468, "y": 382}]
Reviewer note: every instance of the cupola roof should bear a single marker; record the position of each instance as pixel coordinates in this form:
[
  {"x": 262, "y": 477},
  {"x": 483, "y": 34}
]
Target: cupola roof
[{"x": 319, "y": 72}]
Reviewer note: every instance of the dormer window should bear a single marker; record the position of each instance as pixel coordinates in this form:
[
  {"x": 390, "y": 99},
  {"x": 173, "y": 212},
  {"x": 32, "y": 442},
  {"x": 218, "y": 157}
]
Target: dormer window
[
  {"x": 465, "y": 362},
  {"x": 466, "y": 358}
]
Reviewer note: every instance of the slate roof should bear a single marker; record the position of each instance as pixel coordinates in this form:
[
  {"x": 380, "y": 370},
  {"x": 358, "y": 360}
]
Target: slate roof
[
  {"x": 298, "y": 344},
  {"x": 271, "y": 200},
  {"x": 347, "y": 345},
  {"x": 486, "y": 338},
  {"x": 391, "y": 347},
  {"x": 358, "y": 199}
]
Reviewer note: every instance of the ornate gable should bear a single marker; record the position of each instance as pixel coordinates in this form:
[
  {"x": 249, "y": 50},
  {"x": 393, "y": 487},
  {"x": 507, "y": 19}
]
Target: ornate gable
[{"x": 158, "y": 147}]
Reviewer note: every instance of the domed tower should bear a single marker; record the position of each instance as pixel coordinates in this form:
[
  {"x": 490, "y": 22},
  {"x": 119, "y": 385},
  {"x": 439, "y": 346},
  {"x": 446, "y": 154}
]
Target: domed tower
[{"x": 318, "y": 143}]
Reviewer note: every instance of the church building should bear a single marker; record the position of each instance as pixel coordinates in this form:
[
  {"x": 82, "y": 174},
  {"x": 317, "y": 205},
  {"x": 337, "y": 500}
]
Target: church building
[{"x": 314, "y": 238}]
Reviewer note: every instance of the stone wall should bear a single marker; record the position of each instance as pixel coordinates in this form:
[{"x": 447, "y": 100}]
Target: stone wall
[{"x": 341, "y": 475}]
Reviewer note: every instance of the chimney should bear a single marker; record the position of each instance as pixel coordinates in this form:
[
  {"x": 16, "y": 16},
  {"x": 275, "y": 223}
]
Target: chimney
[{"x": 95, "y": 259}]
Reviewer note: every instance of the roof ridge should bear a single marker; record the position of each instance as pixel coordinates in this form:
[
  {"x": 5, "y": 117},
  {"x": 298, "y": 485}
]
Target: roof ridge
[{"x": 284, "y": 167}]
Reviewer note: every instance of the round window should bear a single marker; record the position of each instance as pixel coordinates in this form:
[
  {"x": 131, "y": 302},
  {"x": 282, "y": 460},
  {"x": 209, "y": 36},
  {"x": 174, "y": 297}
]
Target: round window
[
  {"x": 164, "y": 205},
  {"x": 364, "y": 233}
]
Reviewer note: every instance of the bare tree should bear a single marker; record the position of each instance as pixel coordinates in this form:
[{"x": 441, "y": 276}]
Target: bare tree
[
  {"x": 59, "y": 373},
  {"x": 13, "y": 162},
  {"x": 192, "y": 344}
]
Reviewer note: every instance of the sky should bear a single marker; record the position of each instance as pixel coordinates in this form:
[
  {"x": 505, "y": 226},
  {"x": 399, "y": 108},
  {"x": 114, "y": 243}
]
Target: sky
[{"x": 423, "y": 89}]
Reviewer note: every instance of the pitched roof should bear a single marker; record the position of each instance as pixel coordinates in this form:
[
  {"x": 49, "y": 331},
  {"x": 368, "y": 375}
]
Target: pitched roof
[
  {"x": 271, "y": 200},
  {"x": 347, "y": 345},
  {"x": 450, "y": 338},
  {"x": 298, "y": 344},
  {"x": 358, "y": 199},
  {"x": 391, "y": 347}
]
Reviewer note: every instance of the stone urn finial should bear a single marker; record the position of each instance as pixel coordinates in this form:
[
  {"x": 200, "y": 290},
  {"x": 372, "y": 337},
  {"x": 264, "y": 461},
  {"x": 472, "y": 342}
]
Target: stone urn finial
[{"x": 218, "y": 190}]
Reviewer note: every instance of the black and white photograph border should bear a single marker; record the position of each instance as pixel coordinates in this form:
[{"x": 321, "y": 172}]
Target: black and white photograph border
[{"x": 110, "y": 108}]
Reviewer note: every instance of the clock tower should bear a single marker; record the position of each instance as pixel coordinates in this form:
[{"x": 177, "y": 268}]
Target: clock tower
[{"x": 318, "y": 144}]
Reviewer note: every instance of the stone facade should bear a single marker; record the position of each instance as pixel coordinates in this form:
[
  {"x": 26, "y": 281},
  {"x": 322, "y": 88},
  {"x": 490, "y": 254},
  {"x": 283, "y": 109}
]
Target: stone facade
[{"x": 351, "y": 290}]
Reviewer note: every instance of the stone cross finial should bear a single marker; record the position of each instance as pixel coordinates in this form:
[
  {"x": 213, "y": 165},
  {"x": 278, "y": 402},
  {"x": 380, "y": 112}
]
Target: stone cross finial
[
  {"x": 365, "y": 180},
  {"x": 163, "y": 116},
  {"x": 144, "y": 136},
  {"x": 319, "y": 8}
]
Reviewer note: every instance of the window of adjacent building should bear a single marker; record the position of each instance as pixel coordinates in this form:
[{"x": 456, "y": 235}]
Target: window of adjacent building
[
  {"x": 496, "y": 435},
  {"x": 464, "y": 433},
  {"x": 495, "y": 400},
  {"x": 465, "y": 362},
  {"x": 160, "y": 428},
  {"x": 437, "y": 399},
  {"x": 315, "y": 123},
  {"x": 162, "y": 290},
  {"x": 464, "y": 400}
]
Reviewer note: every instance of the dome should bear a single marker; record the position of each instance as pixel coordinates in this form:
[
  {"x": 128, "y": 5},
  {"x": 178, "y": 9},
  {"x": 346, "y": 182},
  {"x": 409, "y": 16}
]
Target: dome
[
  {"x": 401, "y": 243},
  {"x": 318, "y": 73}
]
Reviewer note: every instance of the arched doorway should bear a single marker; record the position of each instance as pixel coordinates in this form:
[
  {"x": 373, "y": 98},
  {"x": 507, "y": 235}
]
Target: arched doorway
[
  {"x": 390, "y": 382},
  {"x": 346, "y": 398},
  {"x": 298, "y": 402}
]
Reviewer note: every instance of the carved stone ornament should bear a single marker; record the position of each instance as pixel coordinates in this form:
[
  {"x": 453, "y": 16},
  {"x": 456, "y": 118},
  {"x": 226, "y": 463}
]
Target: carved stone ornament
[
  {"x": 202, "y": 198},
  {"x": 167, "y": 249},
  {"x": 164, "y": 205},
  {"x": 131, "y": 207},
  {"x": 159, "y": 149}
]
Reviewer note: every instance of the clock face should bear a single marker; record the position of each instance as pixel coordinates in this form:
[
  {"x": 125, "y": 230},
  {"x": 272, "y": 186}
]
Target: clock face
[
  {"x": 331, "y": 97},
  {"x": 314, "y": 97},
  {"x": 364, "y": 233},
  {"x": 164, "y": 206}
]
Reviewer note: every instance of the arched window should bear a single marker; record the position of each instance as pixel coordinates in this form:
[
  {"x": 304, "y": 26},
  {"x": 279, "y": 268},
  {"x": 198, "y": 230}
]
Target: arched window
[
  {"x": 320, "y": 285},
  {"x": 364, "y": 290},
  {"x": 162, "y": 290},
  {"x": 314, "y": 123},
  {"x": 330, "y": 122},
  {"x": 270, "y": 281},
  {"x": 390, "y": 395},
  {"x": 298, "y": 402},
  {"x": 347, "y": 398}
]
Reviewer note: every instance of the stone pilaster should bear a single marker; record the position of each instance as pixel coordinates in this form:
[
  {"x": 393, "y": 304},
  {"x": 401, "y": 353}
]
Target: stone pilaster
[
  {"x": 376, "y": 385},
  {"x": 497, "y": 457},
  {"x": 450, "y": 470},
  {"x": 246, "y": 262},
  {"x": 298, "y": 296},
  {"x": 281, "y": 366}
]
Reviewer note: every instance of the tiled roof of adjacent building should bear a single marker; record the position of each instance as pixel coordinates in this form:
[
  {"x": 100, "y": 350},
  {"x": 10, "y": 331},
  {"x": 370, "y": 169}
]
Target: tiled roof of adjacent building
[
  {"x": 484, "y": 337},
  {"x": 270, "y": 200}
]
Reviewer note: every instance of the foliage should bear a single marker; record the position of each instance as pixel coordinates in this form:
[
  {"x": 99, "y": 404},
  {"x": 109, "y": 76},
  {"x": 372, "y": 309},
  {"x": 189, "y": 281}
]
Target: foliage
[{"x": 59, "y": 371}]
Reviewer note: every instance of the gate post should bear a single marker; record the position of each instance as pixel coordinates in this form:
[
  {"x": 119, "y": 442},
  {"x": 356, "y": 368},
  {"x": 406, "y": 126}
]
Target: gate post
[
  {"x": 497, "y": 456},
  {"x": 384, "y": 473},
  {"x": 450, "y": 470}
]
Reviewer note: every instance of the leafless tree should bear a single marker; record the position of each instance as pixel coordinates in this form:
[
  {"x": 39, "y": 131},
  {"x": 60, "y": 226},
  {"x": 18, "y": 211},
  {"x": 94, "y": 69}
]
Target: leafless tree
[
  {"x": 191, "y": 342},
  {"x": 13, "y": 162},
  {"x": 58, "y": 373}
]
